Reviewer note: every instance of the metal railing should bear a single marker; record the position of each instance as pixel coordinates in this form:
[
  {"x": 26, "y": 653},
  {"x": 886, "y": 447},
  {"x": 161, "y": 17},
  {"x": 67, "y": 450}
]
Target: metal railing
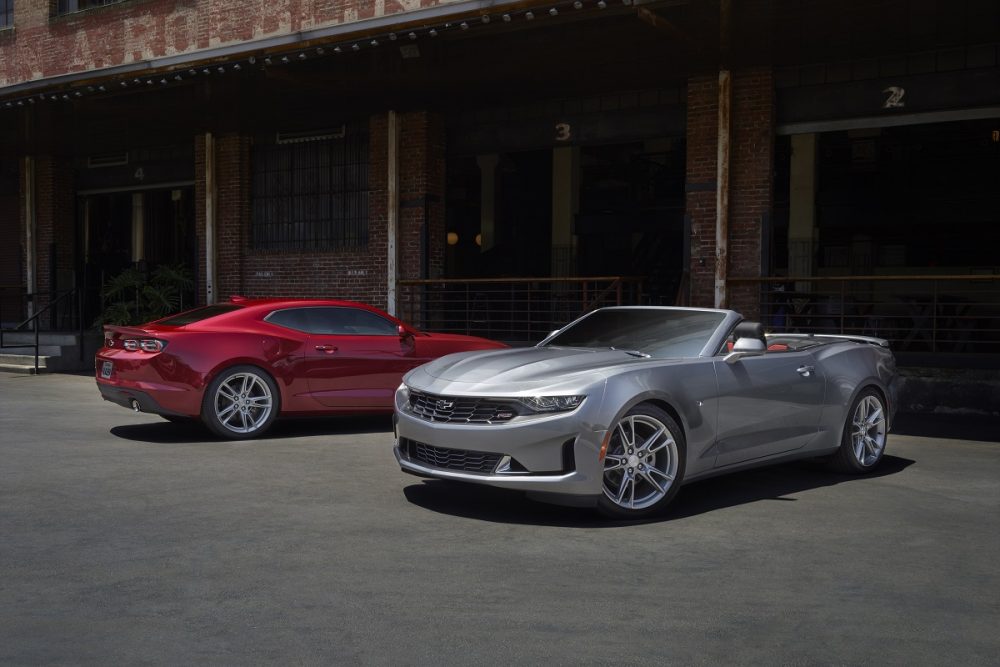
[
  {"x": 70, "y": 297},
  {"x": 938, "y": 314},
  {"x": 517, "y": 311}
]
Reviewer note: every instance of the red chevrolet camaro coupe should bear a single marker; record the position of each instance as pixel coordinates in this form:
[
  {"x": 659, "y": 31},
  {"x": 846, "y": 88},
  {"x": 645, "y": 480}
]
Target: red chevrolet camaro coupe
[{"x": 238, "y": 366}]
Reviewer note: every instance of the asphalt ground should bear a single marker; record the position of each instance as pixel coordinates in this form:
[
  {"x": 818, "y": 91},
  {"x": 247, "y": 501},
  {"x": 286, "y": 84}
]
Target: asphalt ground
[{"x": 125, "y": 539}]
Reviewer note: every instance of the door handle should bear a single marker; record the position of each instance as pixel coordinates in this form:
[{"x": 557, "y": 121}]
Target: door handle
[
  {"x": 805, "y": 371},
  {"x": 329, "y": 349}
]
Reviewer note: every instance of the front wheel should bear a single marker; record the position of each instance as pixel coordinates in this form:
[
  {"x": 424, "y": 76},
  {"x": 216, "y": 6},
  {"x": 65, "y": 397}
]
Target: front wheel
[
  {"x": 865, "y": 433},
  {"x": 240, "y": 403},
  {"x": 644, "y": 464}
]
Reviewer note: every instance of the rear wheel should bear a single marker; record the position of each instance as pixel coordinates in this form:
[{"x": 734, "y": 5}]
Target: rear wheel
[
  {"x": 241, "y": 402},
  {"x": 644, "y": 464},
  {"x": 865, "y": 434}
]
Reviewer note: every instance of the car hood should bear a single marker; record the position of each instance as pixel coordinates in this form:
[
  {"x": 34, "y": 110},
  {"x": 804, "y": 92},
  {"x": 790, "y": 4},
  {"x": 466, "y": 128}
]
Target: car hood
[{"x": 522, "y": 370}]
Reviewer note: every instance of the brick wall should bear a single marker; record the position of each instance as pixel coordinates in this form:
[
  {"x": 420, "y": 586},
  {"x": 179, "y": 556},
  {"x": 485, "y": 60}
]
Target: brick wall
[
  {"x": 356, "y": 274},
  {"x": 42, "y": 45},
  {"x": 750, "y": 181},
  {"x": 421, "y": 193},
  {"x": 55, "y": 228}
]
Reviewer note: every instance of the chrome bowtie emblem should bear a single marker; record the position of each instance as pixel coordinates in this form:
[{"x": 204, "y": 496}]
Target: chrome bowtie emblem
[{"x": 443, "y": 405}]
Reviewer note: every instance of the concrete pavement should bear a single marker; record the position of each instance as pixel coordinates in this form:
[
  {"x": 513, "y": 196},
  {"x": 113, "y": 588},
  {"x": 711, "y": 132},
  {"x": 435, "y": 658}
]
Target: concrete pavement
[{"x": 127, "y": 539}]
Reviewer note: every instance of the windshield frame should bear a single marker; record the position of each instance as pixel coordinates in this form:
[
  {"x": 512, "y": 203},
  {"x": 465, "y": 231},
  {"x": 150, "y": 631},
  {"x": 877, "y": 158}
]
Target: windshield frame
[{"x": 713, "y": 342}]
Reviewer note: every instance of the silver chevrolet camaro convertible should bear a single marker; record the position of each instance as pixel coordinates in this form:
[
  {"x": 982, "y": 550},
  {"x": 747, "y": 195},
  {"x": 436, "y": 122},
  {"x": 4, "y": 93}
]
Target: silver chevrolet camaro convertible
[{"x": 621, "y": 407}]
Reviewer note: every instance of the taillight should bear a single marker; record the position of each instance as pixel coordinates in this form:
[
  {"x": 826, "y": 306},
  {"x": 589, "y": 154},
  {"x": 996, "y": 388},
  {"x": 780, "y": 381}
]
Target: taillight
[{"x": 146, "y": 345}]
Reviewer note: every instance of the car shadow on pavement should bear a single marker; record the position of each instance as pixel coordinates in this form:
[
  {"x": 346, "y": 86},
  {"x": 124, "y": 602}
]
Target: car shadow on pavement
[
  {"x": 780, "y": 482},
  {"x": 193, "y": 431}
]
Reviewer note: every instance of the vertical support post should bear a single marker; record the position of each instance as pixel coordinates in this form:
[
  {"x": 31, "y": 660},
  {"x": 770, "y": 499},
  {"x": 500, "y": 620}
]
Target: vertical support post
[
  {"x": 138, "y": 229},
  {"x": 722, "y": 189},
  {"x": 392, "y": 215},
  {"x": 487, "y": 199},
  {"x": 210, "y": 198},
  {"x": 723, "y": 145},
  {"x": 30, "y": 234}
]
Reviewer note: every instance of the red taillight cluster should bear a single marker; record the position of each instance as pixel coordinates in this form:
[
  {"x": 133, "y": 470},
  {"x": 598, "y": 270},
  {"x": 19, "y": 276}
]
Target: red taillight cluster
[{"x": 146, "y": 345}]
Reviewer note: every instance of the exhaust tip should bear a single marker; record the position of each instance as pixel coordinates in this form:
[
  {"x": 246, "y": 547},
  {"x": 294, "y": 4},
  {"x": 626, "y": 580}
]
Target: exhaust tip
[{"x": 135, "y": 405}]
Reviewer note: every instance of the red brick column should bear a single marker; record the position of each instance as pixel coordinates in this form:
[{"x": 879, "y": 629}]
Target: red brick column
[
  {"x": 232, "y": 169},
  {"x": 751, "y": 183},
  {"x": 421, "y": 194},
  {"x": 54, "y": 198},
  {"x": 199, "y": 214},
  {"x": 700, "y": 184}
]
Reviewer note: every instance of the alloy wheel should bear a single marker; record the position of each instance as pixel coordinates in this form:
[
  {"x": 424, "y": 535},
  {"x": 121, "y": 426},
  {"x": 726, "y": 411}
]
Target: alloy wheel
[
  {"x": 243, "y": 403},
  {"x": 641, "y": 463},
  {"x": 868, "y": 430}
]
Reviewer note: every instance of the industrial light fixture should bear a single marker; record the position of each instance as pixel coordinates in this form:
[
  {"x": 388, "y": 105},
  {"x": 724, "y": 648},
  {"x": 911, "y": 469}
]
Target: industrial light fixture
[
  {"x": 374, "y": 42},
  {"x": 221, "y": 70},
  {"x": 463, "y": 25},
  {"x": 237, "y": 67},
  {"x": 163, "y": 82},
  {"x": 284, "y": 59},
  {"x": 553, "y": 12},
  {"x": 78, "y": 94},
  {"x": 320, "y": 50},
  {"x": 486, "y": 18},
  {"x": 178, "y": 77},
  {"x": 432, "y": 32},
  {"x": 413, "y": 35},
  {"x": 267, "y": 60},
  {"x": 601, "y": 4},
  {"x": 337, "y": 49},
  {"x": 392, "y": 37},
  {"x": 452, "y": 238},
  {"x": 577, "y": 4},
  {"x": 530, "y": 15},
  {"x": 506, "y": 18}
]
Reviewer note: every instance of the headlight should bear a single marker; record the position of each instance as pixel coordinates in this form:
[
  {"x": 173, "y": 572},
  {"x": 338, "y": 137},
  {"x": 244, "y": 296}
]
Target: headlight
[
  {"x": 552, "y": 403},
  {"x": 403, "y": 395}
]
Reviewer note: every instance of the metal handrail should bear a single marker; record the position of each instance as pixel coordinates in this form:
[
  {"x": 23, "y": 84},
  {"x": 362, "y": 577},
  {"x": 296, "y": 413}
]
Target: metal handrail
[
  {"x": 517, "y": 310},
  {"x": 924, "y": 313},
  {"x": 34, "y": 319}
]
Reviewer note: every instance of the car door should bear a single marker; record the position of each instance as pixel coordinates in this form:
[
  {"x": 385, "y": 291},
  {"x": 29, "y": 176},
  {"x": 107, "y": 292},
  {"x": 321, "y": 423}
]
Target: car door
[
  {"x": 768, "y": 405},
  {"x": 355, "y": 358}
]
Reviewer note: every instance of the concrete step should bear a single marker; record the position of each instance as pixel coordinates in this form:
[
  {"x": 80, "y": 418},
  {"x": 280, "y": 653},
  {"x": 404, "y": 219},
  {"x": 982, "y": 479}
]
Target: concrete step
[
  {"x": 25, "y": 363},
  {"x": 61, "y": 338},
  {"x": 29, "y": 350}
]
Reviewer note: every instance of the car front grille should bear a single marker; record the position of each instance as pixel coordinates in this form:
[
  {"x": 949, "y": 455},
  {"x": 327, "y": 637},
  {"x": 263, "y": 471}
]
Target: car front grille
[
  {"x": 460, "y": 409},
  {"x": 450, "y": 459}
]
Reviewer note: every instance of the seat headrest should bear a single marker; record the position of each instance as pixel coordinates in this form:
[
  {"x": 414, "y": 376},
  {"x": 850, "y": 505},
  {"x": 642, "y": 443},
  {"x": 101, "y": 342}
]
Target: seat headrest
[{"x": 749, "y": 330}]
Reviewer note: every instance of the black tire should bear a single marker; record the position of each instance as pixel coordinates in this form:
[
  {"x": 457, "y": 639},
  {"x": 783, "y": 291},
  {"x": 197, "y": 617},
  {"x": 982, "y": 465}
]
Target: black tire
[
  {"x": 243, "y": 416},
  {"x": 865, "y": 435},
  {"x": 655, "y": 476}
]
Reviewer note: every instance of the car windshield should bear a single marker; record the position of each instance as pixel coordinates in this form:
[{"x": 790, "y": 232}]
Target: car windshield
[
  {"x": 655, "y": 332},
  {"x": 197, "y": 315}
]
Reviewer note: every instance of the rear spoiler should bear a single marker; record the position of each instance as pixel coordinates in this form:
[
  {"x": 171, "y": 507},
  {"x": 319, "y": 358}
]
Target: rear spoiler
[
  {"x": 125, "y": 331},
  {"x": 871, "y": 340}
]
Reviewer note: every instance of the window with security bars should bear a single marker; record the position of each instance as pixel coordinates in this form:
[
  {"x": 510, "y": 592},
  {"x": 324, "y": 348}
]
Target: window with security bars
[
  {"x": 311, "y": 194},
  {"x": 6, "y": 13}
]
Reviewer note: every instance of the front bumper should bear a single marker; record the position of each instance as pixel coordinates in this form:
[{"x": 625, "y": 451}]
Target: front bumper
[{"x": 539, "y": 445}]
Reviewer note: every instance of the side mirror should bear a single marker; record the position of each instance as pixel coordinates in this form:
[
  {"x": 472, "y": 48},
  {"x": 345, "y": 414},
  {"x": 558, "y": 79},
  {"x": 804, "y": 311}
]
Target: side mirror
[
  {"x": 403, "y": 333},
  {"x": 746, "y": 347}
]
